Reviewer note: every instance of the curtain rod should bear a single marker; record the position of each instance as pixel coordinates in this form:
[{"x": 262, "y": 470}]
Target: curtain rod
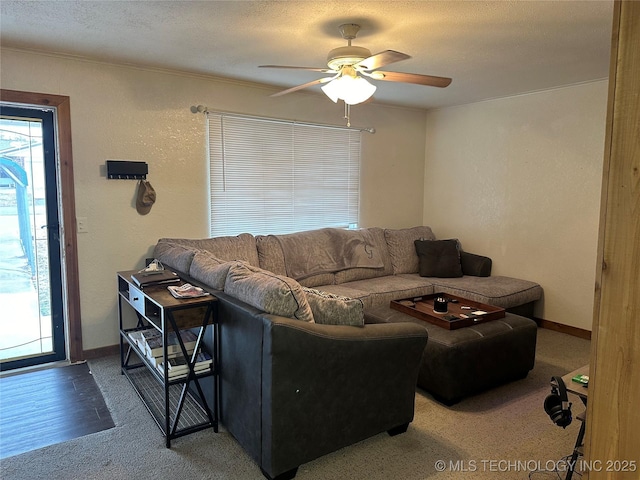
[{"x": 203, "y": 109}]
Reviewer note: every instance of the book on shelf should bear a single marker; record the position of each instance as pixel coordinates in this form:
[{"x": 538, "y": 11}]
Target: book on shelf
[
  {"x": 149, "y": 341},
  {"x": 156, "y": 277},
  {"x": 182, "y": 373},
  {"x": 174, "y": 376},
  {"x": 135, "y": 337},
  {"x": 187, "y": 291},
  {"x": 179, "y": 363},
  {"x": 155, "y": 361},
  {"x": 147, "y": 336},
  {"x": 139, "y": 337},
  {"x": 154, "y": 344}
]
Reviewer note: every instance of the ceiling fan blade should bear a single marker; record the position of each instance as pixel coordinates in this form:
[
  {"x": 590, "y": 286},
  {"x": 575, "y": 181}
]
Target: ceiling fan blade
[
  {"x": 428, "y": 80},
  {"x": 381, "y": 59},
  {"x": 304, "y": 85},
  {"x": 313, "y": 69}
]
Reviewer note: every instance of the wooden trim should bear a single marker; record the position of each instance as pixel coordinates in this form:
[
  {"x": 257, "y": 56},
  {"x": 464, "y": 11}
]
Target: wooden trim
[
  {"x": 101, "y": 352},
  {"x": 67, "y": 194},
  {"x": 613, "y": 426},
  {"x": 559, "y": 327}
]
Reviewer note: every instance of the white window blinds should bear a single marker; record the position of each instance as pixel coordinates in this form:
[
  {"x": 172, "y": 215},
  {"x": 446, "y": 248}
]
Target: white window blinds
[{"x": 273, "y": 176}]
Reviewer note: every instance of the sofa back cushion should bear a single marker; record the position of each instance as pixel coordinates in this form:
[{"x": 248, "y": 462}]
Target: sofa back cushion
[
  {"x": 209, "y": 269},
  {"x": 174, "y": 256},
  {"x": 312, "y": 257},
  {"x": 402, "y": 249},
  {"x": 357, "y": 273},
  {"x": 241, "y": 247},
  {"x": 275, "y": 294},
  {"x": 271, "y": 258},
  {"x": 270, "y": 254}
]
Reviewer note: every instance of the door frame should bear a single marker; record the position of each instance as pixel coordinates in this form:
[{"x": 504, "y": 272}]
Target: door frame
[{"x": 70, "y": 276}]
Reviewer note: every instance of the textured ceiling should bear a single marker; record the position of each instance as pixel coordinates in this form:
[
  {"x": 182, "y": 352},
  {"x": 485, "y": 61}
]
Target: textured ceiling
[{"x": 490, "y": 49}]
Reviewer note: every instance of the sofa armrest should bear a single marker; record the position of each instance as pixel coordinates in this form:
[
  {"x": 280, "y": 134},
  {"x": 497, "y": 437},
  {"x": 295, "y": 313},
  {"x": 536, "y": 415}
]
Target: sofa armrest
[
  {"x": 327, "y": 386},
  {"x": 475, "y": 265}
]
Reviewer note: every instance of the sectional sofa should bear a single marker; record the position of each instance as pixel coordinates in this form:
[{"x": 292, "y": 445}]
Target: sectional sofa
[
  {"x": 302, "y": 371},
  {"x": 374, "y": 265}
]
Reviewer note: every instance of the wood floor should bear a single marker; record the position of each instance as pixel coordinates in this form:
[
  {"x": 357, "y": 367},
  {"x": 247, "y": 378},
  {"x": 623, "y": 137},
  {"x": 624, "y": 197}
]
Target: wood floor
[{"x": 49, "y": 406}]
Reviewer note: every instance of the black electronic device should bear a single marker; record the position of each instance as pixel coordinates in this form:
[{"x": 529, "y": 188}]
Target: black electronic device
[
  {"x": 557, "y": 404},
  {"x": 126, "y": 170}
]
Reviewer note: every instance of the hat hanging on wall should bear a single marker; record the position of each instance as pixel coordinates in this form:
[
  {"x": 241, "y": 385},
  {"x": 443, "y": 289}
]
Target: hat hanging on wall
[{"x": 146, "y": 197}]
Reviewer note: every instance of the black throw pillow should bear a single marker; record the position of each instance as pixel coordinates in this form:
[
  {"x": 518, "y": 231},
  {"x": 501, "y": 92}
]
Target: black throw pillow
[{"x": 439, "y": 258}]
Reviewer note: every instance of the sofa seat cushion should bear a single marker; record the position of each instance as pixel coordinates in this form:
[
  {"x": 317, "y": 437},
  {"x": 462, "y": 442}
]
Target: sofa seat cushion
[
  {"x": 505, "y": 292},
  {"x": 332, "y": 309},
  {"x": 381, "y": 290},
  {"x": 343, "y": 291},
  {"x": 271, "y": 293}
]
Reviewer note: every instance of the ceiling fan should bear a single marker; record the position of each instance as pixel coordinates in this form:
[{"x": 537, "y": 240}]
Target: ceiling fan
[{"x": 349, "y": 65}]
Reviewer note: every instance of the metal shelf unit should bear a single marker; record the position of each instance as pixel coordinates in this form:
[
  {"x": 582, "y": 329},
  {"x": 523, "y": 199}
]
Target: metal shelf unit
[{"x": 178, "y": 405}]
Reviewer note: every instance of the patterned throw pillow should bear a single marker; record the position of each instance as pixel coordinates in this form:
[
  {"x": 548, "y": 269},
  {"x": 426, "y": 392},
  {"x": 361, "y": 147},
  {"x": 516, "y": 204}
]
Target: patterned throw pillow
[
  {"x": 275, "y": 294},
  {"x": 330, "y": 309}
]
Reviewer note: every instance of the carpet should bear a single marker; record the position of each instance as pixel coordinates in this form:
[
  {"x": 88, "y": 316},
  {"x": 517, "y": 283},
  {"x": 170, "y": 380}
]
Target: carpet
[{"x": 503, "y": 433}]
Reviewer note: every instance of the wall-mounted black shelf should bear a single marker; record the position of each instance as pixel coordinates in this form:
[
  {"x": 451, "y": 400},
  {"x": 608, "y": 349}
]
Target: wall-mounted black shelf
[{"x": 126, "y": 170}]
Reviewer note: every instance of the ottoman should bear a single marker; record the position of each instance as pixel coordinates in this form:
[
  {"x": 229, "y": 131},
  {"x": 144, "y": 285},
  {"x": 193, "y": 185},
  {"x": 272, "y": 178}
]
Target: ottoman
[{"x": 462, "y": 362}]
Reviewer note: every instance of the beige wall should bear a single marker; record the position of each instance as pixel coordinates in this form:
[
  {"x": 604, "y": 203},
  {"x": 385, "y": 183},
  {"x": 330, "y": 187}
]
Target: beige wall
[
  {"x": 518, "y": 179},
  {"x": 128, "y": 113}
]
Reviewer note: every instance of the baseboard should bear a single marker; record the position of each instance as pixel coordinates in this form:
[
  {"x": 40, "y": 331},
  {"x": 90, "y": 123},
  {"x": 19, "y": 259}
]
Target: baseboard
[
  {"x": 559, "y": 327},
  {"x": 100, "y": 352}
]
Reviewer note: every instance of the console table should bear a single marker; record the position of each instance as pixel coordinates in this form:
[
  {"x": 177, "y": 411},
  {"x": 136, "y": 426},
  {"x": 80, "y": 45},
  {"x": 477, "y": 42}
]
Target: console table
[{"x": 177, "y": 404}]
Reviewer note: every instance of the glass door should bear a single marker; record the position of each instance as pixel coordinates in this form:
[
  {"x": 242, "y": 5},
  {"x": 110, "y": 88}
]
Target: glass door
[{"x": 32, "y": 329}]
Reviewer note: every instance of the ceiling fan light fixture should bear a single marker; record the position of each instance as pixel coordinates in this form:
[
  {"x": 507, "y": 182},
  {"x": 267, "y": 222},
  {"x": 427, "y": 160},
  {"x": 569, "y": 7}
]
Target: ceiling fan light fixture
[
  {"x": 350, "y": 55},
  {"x": 350, "y": 64},
  {"x": 352, "y": 90}
]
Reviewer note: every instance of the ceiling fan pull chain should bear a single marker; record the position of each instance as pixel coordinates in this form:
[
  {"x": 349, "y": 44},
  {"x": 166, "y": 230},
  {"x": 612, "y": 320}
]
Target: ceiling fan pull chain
[{"x": 347, "y": 113}]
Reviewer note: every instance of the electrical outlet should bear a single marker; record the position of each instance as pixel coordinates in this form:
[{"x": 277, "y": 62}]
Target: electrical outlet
[{"x": 81, "y": 223}]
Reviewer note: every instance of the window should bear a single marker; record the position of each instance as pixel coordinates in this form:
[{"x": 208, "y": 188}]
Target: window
[{"x": 273, "y": 176}]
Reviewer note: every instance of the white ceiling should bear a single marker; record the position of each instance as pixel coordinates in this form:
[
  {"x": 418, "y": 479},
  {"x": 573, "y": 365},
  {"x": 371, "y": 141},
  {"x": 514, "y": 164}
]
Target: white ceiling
[{"x": 490, "y": 48}]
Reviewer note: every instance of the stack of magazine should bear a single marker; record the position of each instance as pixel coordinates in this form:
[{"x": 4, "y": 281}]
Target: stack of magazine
[
  {"x": 177, "y": 366},
  {"x": 149, "y": 341},
  {"x": 186, "y": 291}
]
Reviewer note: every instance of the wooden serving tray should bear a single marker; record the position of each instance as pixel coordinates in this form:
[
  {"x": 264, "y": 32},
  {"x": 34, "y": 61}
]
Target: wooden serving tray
[{"x": 457, "y": 316}]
